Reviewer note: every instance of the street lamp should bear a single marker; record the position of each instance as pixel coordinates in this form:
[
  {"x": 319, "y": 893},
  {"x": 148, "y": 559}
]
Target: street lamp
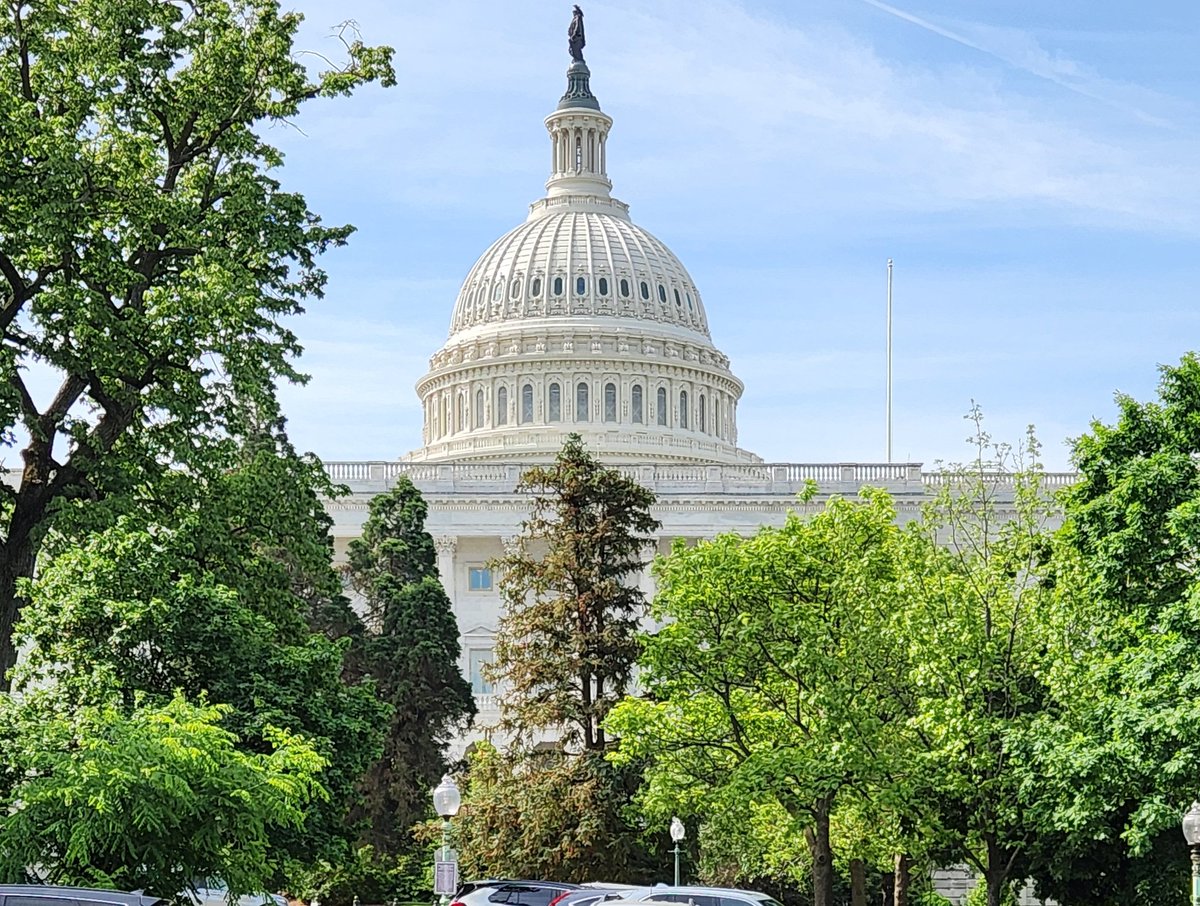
[
  {"x": 1191, "y": 833},
  {"x": 446, "y": 800},
  {"x": 677, "y": 834}
]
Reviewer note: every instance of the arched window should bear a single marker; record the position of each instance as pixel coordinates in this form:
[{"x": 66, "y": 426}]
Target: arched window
[
  {"x": 526, "y": 404},
  {"x": 683, "y": 409},
  {"x": 462, "y": 412},
  {"x": 678, "y": 301},
  {"x": 662, "y": 293},
  {"x": 703, "y": 416},
  {"x": 581, "y": 402},
  {"x": 558, "y": 286},
  {"x": 645, "y": 290},
  {"x": 660, "y": 400},
  {"x": 635, "y": 404},
  {"x": 502, "y": 406},
  {"x": 610, "y": 402},
  {"x": 717, "y": 416},
  {"x": 497, "y": 292},
  {"x": 690, "y": 306},
  {"x": 580, "y": 286},
  {"x": 602, "y": 286},
  {"x": 445, "y": 407},
  {"x": 478, "y": 408},
  {"x": 535, "y": 288},
  {"x": 515, "y": 289},
  {"x": 554, "y": 403},
  {"x": 624, "y": 288}
]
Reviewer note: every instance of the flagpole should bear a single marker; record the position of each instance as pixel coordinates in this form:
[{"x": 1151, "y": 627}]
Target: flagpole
[{"x": 889, "y": 360}]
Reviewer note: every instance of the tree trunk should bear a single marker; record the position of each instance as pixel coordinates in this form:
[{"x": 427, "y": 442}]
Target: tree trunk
[
  {"x": 901, "y": 879},
  {"x": 858, "y": 883},
  {"x": 822, "y": 853},
  {"x": 996, "y": 873},
  {"x": 16, "y": 562}
]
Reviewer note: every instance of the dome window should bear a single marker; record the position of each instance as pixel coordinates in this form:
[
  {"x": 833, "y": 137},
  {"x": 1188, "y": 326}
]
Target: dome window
[
  {"x": 581, "y": 402},
  {"x": 535, "y": 288},
  {"x": 635, "y": 404},
  {"x": 580, "y": 286},
  {"x": 683, "y": 408},
  {"x": 662, "y": 294},
  {"x": 478, "y": 408},
  {"x": 502, "y": 406},
  {"x": 703, "y": 416},
  {"x": 527, "y": 404},
  {"x": 558, "y": 286},
  {"x": 645, "y": 290},
  {"x": 554, "y": 403},
  {"x": 661, "y": 404},
  {"x": 602, "y": 286},
  {"x": 678, "y": 300},
  {"x": 624, "y": 288},
  {"x": 515, "y": 289},
  {"x": 610, "y": 402},
  {"x": 497, "y": 292},
  {"x": 690, "y": 306}
]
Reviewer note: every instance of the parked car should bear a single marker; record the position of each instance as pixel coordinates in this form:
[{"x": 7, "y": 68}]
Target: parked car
[
  {"x": 54, "y": 895},
  {"x": 215, "y": 893},
  {"x": 692, "y": 896},
  {"x": 590, "y": 894},
  {"x": 511, "y": 892}
]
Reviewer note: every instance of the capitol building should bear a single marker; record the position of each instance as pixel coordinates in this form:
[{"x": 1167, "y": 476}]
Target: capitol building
[{"x": 579, "y": 320}]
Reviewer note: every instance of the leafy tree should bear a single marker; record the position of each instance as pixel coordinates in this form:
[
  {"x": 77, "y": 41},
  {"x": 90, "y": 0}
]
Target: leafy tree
[
  {"x": 204, "y": 588},
  {"x": 567, "y": 641},
  {"x": 165, "y": 784},
  {"x": 768, "y": 682},
  {"x": 411, "y": 651},
  {"x": 148, "y": 255}
]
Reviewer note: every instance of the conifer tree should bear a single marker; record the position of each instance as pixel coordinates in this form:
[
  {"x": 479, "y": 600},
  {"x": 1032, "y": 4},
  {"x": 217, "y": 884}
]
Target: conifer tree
[{"x": 411, "y": 649}]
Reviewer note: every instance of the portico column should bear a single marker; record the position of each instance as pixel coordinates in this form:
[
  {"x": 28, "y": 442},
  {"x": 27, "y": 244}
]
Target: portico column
[{"x": 445, "y": 545}]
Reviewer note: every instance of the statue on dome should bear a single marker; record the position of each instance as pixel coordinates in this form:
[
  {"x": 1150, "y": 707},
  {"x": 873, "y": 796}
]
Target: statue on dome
[{"x": 575, "y": 39}]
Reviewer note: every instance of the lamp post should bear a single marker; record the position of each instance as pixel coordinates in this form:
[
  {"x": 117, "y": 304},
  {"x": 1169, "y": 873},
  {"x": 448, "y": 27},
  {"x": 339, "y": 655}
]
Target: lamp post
[
  {"x": 446, "y": 800},
  {"x": 1191, "y": 833},
  {"x": 677, "y": 834}
]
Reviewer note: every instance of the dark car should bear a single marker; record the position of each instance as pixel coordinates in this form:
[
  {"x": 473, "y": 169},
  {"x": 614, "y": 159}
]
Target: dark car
[
  {"x": 53, "y": 895},
  {"x": 503, "y": 892}
]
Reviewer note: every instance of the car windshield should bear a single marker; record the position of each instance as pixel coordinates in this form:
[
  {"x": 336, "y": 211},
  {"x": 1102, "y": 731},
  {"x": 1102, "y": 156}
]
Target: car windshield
[{"x": 768, "y": 901}]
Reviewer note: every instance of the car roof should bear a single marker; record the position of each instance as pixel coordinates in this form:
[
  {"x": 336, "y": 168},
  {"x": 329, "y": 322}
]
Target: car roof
[
  {"x": 89, "y": 893},
  {"x": 491, "y": 882}
]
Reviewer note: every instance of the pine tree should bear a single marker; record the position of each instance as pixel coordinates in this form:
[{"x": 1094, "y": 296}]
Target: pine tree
[{"x": 412, "y": 651}]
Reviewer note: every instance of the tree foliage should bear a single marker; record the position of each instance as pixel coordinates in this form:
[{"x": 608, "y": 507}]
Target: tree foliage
[
  {"x": 411, "y": 650},
  {"x": 148, "y": 254}
]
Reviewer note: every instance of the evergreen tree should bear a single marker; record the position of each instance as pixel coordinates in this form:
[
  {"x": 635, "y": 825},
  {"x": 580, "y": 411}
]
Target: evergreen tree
[{"x": 411, "y": 650}]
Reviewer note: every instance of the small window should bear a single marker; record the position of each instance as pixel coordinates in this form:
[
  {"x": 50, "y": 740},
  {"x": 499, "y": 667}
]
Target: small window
[
  {"x": 660, "y": 400},
  {"x": 690, "y": 306},
  {"x": 683, "y": 409},
  {"x": 635, "y": 404},
  {"x": 535, "y": 288},
  {"x": 602, "y": 286},
  {"x": 478, "y": 408},
  {"x": 554, "y": 403},
  {"x": 526, "y": 404},
  {"x": 515, "y": 289},
  {"x": 558, "y": 286},
  {"x": 610, "y": 402},
  {"x": 462, "y": 412},
  {"x": 478, "y": 658},
  {"x": 662, "y": 293},
  {"x": 703, "y": 416},
  {"x": 678, "y": 301},
  {"x": 502, "y": 406},
  {"x": 580, "y": 286},
  {"x": 581, "y": 402},
  {"x": 645, "y": 290},
  {"x": 624, "y": 288},
  {"x": 479, "y": 578}
]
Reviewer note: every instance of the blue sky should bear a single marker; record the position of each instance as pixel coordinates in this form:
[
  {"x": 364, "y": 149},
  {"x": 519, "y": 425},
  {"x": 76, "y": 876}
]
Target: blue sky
[{"x": 1033, "y": 168}]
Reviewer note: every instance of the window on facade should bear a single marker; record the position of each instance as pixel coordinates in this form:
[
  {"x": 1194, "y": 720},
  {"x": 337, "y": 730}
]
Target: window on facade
[
  {"x": 660, "y": 401},
  {"x": 717, "y": 417},
  {"x": 477, "y": 659},
  {"x": 645, "y": 290},
  {"x": 581, "y": 402},
  {"x": 678, "y": 301},
  {"x": 478, "y": 408},
  {"x": 526, "y": 404},
  {"x": 479, "y": 578},
  {"x": 580, "y": 286},
  {"x": 683, "y": 409},
  {"x": 624, "y": 288},
  {"x": 558, "y": 286},
  {"x": 662, "y": 293},
  {"x": 502, "y": 406},
  {"x": 689, "y": 298},
  {"x": 554, "y": 403},
  {"x": 703, "y": 416},
  {"x": 497, "y": 293},
  {"x": 610, "y": 402},
  {"x": 602, "y": 286},
  {"x": 515, "y": 289},
  {"x": 635, "y": 404},
  {"x": 535, "y": 287}
]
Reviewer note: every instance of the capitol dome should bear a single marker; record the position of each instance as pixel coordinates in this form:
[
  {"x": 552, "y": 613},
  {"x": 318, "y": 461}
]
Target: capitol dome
[{"x": 578, "y": 320}]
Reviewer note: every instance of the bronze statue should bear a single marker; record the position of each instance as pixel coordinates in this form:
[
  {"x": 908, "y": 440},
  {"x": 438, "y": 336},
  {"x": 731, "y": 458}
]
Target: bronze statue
[{"x": 575, "y": 39}]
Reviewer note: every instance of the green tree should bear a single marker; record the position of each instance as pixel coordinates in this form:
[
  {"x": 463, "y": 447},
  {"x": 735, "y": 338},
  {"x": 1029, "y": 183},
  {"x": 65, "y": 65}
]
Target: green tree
[
  {"x": 149, "y": 799},
  {"x": 148, "y": 256},
  {"x": 567, "y": 641},
  {"x": 205, "y": 587},
  {"x": 769, "y": 682},
  {"x": 411, "y": 650}
]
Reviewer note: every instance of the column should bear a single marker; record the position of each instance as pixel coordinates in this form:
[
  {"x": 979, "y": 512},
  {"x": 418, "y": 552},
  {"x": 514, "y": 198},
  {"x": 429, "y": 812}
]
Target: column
[{"x": 445, "y": 545}]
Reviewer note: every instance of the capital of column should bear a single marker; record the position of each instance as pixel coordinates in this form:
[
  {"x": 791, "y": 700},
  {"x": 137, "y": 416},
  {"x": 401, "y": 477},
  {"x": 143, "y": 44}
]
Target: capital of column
[{"x": 445, "y": 544}]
